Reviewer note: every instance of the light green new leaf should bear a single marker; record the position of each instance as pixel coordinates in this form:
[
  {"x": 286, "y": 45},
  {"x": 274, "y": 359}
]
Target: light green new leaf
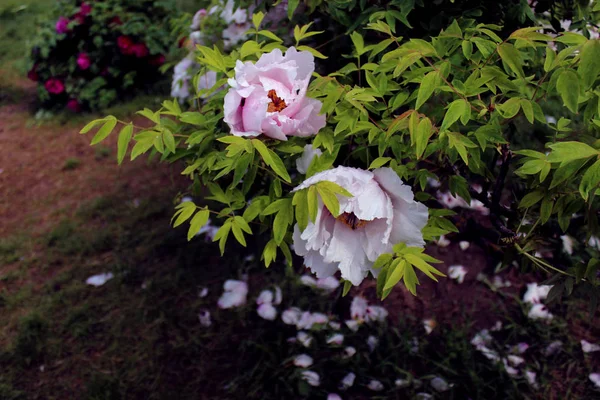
[
  {"x": 410, "y": 279},
  {"x": 300, "y": 201},
  {"x": 567, "y": 86},
  {"x": 455, "y": 111},
  {"x": 257, "y": 19},
  {"x": 589, "y": 64},
  {"x": 527, "y": 110},
  {"x": 590, "y": 180},
  {"x": 511, "y": 56},
  {"x": 330, "y": 200},
  {"x": 185, "y": 213},
  {"x": 379, "y": 162},
  {"x": 428, "y": 85},
  {"x": 123, "y": 142},
  {"x": 91, "y": 125},
  {"x": 270, "y": 252},
  {"x": 395, "y": 273},
  {"x": 313, "y": 203},
  {"x": 424, "y": 132},
  {"x": 568, "y": 151},
  {"x": 199, "y": 220},
  {"x": 531, "y": 198},
  {"x": 105, "y": 130}
]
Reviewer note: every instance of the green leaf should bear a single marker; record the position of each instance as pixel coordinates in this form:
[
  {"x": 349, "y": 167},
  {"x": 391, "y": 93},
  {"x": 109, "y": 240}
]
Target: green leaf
[
  {"x": 238, "y": 234},
  {"x": 312, "y": 51},
  {"x": 105, "y": 130},
  {"x": 511, "y": 56},
  {"x": 169, "y": 140},
  {"x": 282, "y": 220},
  {"x": 527, "y": 110},
  {"x": 565, "y": 171},
  {"x": 222, "y": 235},
  {"x": 330, "y": 200},
  {"x": 424, "y": 132},
  {"x": 92, "y": 124},
  {"x": 249, "y": 47},
  {"x": 531, "y": 198},
  {"x": 270, "y": 35},
  {"x": 300, "y": 200},
  {"x": 421, "y": 264},
  {"x": 590, "y": 180},
  {"x": 185, "y": 213},
  {"x": 270, "y": 253},
  {"x": 567, "y": 86},
  {"x": 589, "y": 63},
  {"x": 383, "y": 260},
  {"x": 334, "y": 187},
  {"x": 313, "y": 203},
  {"x": 347, "y": 287},
  {"x": 428, "y": 85},
  {"x": 410, "y": 279},
  {"x": 123, "y": 142},
  {"x": 546, "y": 209},
  {"x": 455, "y": 111},
  {"x": 568, "y": 151},
  {"x": 395, "y": 273},
  {"x": 257, "y": 19},
  {"x": 199, "y": 220},
  {"x": 379, "y": 162},
  {"x": 291, "y": 7},
  {"x": 359, "y": 43},
  {"x": 272, "y": 160}
]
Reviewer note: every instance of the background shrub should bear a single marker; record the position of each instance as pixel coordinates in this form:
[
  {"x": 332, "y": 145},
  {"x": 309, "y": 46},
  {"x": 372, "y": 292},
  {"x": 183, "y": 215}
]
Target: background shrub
[{"x": 88, "y": 54}]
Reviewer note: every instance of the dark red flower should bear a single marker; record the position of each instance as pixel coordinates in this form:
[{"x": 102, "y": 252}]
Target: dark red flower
[
  {"x": 157, "y": 60},
  {"x": 83, "y": 61},
  {"x": 139, "y": 50},
  {"x": 54, "y": 86},
  {"x": 182, "y": 41},
  {"x": 62, "y": 25},
  {"x": 85, "y": 9},
  {"x": 32, "y": 74},
  {"x": 116, "y": 21},
  {"x": 74, "y": 106},
  {"x": 125, "y": 44}
]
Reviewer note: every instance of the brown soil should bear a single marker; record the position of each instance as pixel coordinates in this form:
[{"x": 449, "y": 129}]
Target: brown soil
[{"x": 36, "y": 189}]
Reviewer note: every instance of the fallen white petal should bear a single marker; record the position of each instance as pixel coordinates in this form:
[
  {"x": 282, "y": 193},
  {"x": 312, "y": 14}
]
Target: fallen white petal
[
  {"x": 291, "y": 316},
  {"x": 348, "y": 381},
  {"x": 335, "y": 325},
  {"x": 234, "y": 294},
  {"x": 443, "y": 242},
  {"x": 100, "y": 279},
  {"x": 530, "y": 376},
  {"x": 204, "y": 317},
  {"x": 539, "y": 311},
  {"x": 353, "y": 325},
  {"x": 333, "y": 396},
  {"x": 464, "y": 245},
  {"x": 510, "y": 370},
  {"x": 265, "y": 297},
  {"x": 515, "y": 360},
  {"x": 203, "y": 292},
  {"x": 336, "y": 339},
  {"x": 349, "y": 352},
  {"x": 267, "y": 311},
  {"x": 311, "y": 377},
  {"x": 588, "y": 347},
  {"x": 439, "y": 384},
  {"x": 567, "y": 242},
  {"x": 536, "y": 293},
  {"x": 429, "y": 325},
  {"x": 376, "y": 313},
  {"x": 375, "y": 385},
  {"x": 552, "y": 348},
  {"x": 304, "y": 338},
  {"x": 457, "y": 272},
  {"x": 423, "y": 396},
  {"x": 595, "y": 378},
  {"x": 372, "y": 342},
  {"x": 303, "y": 361},
  {"x": 308, "y": 280},
  {"x": 402, "y": 383}
]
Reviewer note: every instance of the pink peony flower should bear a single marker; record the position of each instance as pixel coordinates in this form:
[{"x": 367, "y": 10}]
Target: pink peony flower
[
  {"x": 381, "y": 213},
  {"x": 125, "y": 44},
  {"x": 74, "y": 106},
  {"x": 54, "y": 86},
  {"x": 83, "y": 61},
  {"x": 139, "y": 50},
  {"x": 269, "y": 97},
  {"x": 62, "y": 25}
]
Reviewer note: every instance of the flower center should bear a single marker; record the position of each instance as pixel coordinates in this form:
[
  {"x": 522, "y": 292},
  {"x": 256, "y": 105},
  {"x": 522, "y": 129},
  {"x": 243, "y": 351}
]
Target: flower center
[
  {"x": 351, "y": 221},
  {"x": 277, "y": 103}
]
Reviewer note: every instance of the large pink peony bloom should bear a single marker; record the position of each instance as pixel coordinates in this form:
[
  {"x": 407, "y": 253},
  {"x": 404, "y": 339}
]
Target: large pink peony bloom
[
  {"x": 381, "y": 213},
  {"x": 269, "y": 97}
]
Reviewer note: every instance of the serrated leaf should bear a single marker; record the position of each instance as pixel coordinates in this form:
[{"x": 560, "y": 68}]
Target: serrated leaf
[
  {"x": 330, "y": 200},
  {"x": 185, "y": 214},
  {"x": 589, "y": 63},
  {"x": 270, "y": 253},
  {"x": 568, "y": 151},
  {"x": 410, "y": 279},
  {"x": 395, "y": 273}
]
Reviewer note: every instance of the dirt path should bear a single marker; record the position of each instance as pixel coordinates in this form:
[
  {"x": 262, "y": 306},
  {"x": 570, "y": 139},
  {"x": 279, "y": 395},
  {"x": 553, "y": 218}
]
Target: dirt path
[{"x": 47, "y": 171}]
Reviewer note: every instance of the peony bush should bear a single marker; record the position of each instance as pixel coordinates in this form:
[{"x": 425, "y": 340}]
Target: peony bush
[
  {"x": 354, "y": 146},
  {"x": 91, "y": 53}
]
